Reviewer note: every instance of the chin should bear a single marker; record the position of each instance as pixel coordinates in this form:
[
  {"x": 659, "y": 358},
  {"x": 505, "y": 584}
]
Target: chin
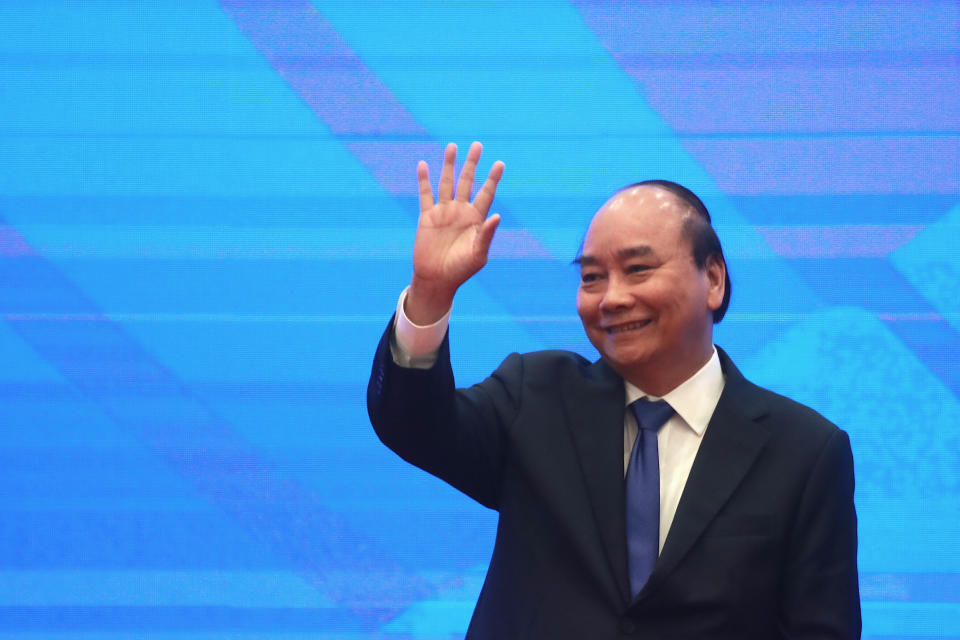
[{"x": 623, "y": 360}]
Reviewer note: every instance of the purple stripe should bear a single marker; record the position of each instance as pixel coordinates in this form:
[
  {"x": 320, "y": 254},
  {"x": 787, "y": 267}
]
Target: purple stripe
[
  {"x": 352, "y": 101},
  {"x": 760, "y": 27},
  {"x": 312, "y": 57},
  {"x": 110, "y": 368},
  {"x": 12, "y": 244},
  {"x": 393, "y": 164},
  {"x": 838, "y": 241},
  {"x": 935, "y": 342},
  {"x": 910, "y": 587},
  {"x": 837, "y": 60},
  {"x": 784, "y": 67},
  {"x": 831, "y": 165},
  {"x": 760, "y": 97},
  {"x": 135, "y": 621},
  {"x": 791, "y": 99}
]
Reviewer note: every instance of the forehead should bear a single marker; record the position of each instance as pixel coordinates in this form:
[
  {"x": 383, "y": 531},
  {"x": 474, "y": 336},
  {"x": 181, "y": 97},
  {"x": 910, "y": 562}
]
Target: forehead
[{"x": 637, "y": 216}]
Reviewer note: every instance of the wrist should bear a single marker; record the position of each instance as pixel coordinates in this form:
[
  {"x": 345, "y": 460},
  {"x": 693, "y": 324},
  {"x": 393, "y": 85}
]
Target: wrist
[{"x": 427, "y": 302}]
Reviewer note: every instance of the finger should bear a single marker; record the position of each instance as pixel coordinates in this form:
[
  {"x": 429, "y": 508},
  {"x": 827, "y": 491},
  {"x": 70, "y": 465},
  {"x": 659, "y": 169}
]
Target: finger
[
  {"x": 485, "y": 196},
  {"x": 445, "y": 190},
  {"x": 426, "y": 191},
  {"x": 465, "y": 184},
  {"x": 485, "y": 235}
]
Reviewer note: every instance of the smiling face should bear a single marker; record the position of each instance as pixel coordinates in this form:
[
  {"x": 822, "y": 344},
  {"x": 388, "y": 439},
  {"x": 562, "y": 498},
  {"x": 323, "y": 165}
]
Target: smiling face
[{"x": 643, "y": 302}]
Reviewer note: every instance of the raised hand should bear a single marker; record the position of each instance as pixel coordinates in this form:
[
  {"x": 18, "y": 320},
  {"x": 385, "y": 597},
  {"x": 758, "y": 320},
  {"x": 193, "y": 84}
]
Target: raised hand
[{"x": 453, "y": 234}]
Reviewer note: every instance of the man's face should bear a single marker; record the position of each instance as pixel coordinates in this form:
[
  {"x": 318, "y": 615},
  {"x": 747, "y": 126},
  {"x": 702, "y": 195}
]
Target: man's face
[{"x": 644, "y": 304}]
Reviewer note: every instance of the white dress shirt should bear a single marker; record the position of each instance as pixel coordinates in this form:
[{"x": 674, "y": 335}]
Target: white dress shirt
[{"x": 678, "y": 440}]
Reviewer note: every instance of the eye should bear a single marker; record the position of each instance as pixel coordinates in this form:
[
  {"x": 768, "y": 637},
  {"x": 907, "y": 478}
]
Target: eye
[
  {"x": 637, "y": 268},
  {"x": 588, "y": 277}
]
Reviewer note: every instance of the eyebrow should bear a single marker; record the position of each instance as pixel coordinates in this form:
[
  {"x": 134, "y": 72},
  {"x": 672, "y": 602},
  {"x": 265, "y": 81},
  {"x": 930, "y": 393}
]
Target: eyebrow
[{"x": 622, "y": 254}]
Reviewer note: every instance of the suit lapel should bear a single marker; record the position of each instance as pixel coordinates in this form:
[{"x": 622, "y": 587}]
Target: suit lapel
[
  {"x": 730, "y": 446},
  {"x": 594, "y": 407},
  {"x": 733, "y": 440}
]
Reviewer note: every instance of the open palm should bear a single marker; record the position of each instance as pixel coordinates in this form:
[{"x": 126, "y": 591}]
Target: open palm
[{"x": 453, "y": 234}]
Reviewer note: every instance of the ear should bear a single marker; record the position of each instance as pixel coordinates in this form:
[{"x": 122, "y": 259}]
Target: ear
[{"x": 716, "y": 271}]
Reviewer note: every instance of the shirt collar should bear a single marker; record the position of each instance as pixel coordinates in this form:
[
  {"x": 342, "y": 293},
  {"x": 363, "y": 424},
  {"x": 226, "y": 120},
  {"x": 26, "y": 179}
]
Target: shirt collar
[{"x": 695, "y": 399}]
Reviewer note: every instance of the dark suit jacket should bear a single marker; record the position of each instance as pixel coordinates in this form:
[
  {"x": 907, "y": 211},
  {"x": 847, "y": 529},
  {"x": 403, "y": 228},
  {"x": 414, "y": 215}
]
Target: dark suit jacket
[{"x": 763, "y": 544}]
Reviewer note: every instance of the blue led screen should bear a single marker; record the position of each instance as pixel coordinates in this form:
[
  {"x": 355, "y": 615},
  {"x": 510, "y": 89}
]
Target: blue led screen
[{"x": 207, "y": 213}]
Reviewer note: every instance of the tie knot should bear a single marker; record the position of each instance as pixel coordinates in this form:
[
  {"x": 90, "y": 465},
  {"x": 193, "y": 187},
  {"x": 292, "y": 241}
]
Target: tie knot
[{"x": 650, "y": 414}]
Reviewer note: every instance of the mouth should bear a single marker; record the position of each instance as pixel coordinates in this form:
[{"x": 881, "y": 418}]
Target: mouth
[{"x": 629, "y": 326}]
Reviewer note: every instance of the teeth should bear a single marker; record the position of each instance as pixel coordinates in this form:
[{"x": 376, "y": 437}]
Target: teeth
[{"x": 628, "y": 327}]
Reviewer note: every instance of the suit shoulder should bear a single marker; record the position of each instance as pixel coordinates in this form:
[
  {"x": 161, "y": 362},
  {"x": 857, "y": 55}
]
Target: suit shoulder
[
  {"x": 554, "y": 357},
  {"x": 538, "y": 368},
  {"x": 770, "y": 407},
  {"x": 796, "y": 422},
  {"x": 801, "y": 412},
  {"x": 552, "y": 363}
]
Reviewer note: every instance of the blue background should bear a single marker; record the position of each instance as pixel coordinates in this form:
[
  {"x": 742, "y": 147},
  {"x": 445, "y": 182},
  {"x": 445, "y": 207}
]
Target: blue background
[{"x": 206, "y": 216}]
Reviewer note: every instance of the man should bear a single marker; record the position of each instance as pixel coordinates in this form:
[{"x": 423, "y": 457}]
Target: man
[{"x": 654, "y": 493}]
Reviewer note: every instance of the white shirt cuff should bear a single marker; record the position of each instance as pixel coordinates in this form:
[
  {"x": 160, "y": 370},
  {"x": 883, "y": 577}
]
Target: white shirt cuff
[{"x": 416, "y": 346}]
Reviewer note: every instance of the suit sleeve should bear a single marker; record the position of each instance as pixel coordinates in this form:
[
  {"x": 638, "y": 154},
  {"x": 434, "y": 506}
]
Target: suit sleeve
[
  {"x": 820, "y": 597},
  {"x": 459, "y": 436}
]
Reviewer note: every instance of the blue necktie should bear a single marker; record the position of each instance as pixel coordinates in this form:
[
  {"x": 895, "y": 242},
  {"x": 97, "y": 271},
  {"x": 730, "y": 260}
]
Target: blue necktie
[{"x": 643, "y": 492}]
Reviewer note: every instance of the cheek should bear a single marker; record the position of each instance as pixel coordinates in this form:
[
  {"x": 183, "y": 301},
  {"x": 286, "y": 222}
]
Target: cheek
[
  {"x": 583, "y": 306},
  {"x": 588, "y": 307}
]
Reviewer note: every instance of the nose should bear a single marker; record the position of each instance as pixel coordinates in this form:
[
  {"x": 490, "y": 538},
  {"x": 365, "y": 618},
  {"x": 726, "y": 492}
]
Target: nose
[{"x": 617, "y": 295}]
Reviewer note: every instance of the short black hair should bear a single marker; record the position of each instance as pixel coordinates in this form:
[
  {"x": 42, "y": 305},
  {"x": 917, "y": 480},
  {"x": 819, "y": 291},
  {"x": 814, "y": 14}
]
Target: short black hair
[{"x": 699, "y": 231}]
